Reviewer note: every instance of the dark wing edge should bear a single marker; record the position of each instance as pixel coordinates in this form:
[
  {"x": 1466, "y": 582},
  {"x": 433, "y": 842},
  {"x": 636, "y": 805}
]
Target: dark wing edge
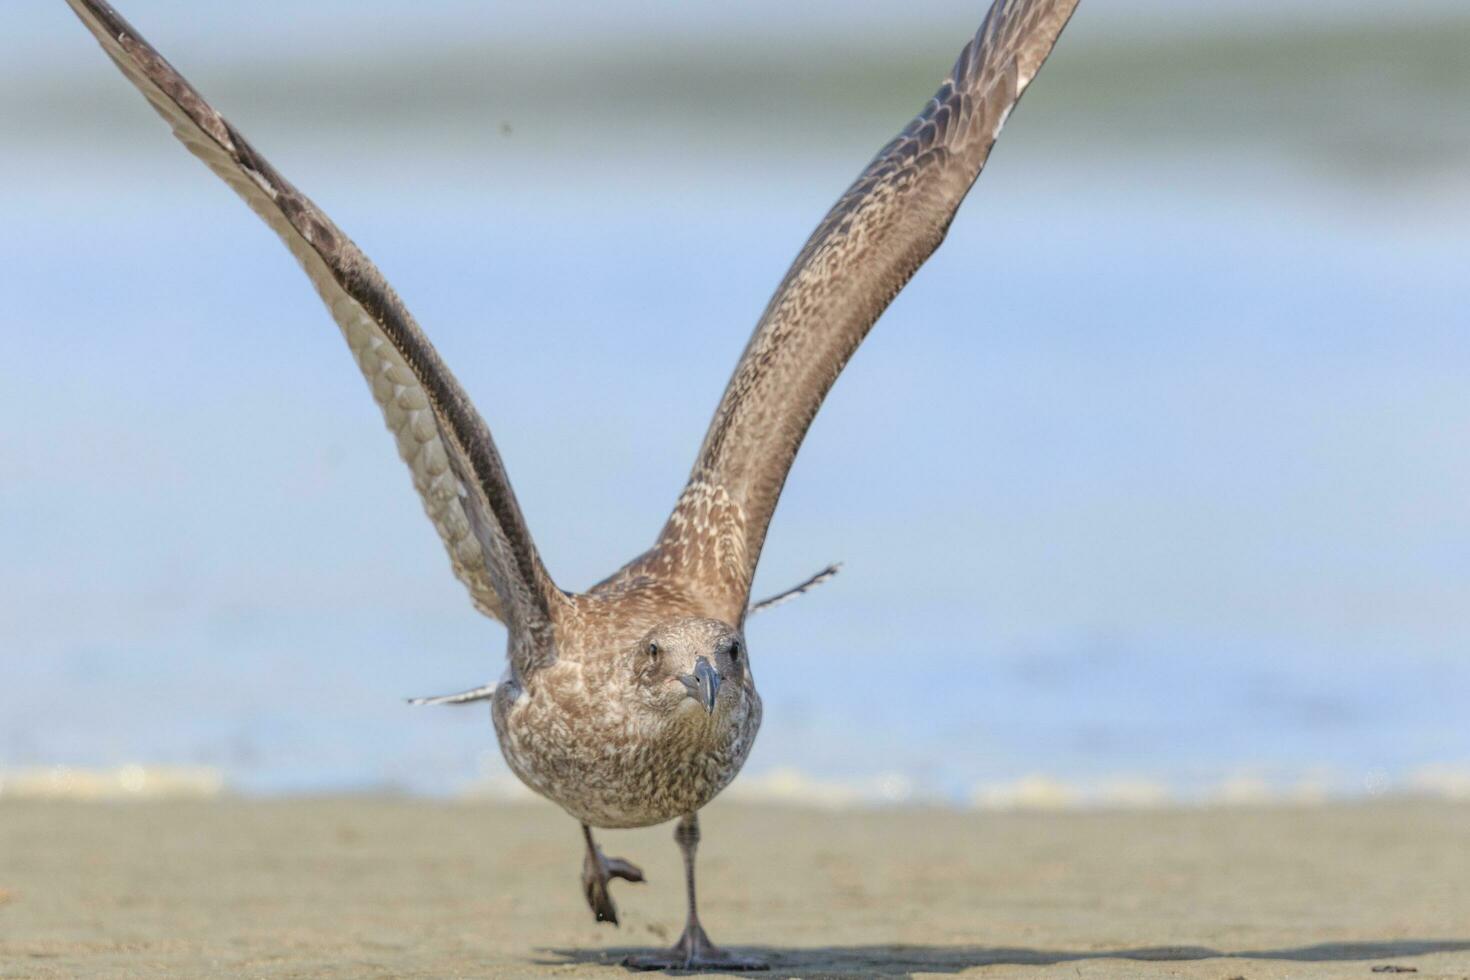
[
  {"x": 862, "y": 253},
  {"x": 446, "y": 444}
]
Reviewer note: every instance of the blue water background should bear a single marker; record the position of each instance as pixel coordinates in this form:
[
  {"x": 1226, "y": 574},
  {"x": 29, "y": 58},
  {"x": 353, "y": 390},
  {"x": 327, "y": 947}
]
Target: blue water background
[{"x": 1160, "y": 469}]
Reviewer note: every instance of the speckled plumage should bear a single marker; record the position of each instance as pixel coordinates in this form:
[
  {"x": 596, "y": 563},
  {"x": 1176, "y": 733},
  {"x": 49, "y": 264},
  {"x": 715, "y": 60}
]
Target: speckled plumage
[
  {"x": 573, "y": 735},
  {"x": 633, "y": 703}
]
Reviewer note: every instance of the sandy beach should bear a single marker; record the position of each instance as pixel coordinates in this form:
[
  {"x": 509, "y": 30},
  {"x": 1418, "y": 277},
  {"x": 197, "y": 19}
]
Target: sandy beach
[{"x": 406, "y": 888}]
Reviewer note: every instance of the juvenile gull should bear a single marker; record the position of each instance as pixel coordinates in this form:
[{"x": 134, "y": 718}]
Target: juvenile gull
[{"x": 633, "y": 703}]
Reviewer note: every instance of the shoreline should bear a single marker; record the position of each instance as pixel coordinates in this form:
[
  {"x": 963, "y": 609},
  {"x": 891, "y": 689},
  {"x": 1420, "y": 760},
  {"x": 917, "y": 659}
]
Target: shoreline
[{"x": 792, "y": 787}]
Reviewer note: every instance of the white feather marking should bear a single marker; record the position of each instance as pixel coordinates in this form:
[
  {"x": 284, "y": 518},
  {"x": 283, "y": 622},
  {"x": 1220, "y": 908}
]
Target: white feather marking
[
  {"x": 263, "y": 184},
  {"x": 1000, "y": 124}
]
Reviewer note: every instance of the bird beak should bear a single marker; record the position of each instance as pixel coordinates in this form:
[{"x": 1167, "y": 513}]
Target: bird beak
[{"x": 703, "y": 684}]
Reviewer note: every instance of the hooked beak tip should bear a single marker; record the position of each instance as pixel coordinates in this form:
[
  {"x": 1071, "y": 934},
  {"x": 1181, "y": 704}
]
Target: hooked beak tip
[{"x": 706, "y": 685}]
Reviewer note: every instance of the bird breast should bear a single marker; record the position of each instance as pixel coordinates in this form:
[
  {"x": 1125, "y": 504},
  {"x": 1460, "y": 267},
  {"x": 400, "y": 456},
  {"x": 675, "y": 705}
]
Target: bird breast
[{"x": 608, "y": 763}]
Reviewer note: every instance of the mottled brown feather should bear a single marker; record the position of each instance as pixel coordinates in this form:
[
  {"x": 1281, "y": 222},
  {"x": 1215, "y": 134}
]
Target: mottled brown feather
[
  {"x": 862, "y": 253},
  {"x": 446, "y": 443}
]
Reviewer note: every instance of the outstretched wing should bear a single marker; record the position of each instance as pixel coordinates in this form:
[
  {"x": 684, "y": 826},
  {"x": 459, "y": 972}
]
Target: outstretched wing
[
  {"x": 446, "y": 444},
  {"x": 863, "y": 252}
]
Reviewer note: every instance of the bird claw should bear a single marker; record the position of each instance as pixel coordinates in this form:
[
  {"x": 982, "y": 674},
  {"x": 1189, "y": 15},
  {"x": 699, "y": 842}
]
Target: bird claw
[{"x": 596, "y": 874}]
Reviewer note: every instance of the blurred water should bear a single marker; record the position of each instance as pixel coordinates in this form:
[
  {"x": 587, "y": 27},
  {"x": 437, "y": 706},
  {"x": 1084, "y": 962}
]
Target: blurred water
[{"x": 1158, "y": 470}]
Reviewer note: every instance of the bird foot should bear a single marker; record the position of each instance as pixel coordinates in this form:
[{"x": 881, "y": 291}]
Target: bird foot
[
  {"x": 597, "y": 872},
  {"x": 694, "y": 951}
]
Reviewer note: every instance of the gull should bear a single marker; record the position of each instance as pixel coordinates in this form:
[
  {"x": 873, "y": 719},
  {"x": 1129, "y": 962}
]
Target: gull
[{"x": 634, "y": 703}]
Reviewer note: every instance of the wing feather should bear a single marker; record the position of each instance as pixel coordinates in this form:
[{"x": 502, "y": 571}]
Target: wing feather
[
  {"x": 447, "y": 446},
  {"x": 862, "y": 253}
]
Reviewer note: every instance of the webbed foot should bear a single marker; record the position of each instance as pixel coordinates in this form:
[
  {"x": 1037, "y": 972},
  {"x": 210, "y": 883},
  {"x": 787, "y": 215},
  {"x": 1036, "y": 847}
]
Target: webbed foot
[
  {"x": 597, "y": 872},
  {"x": 694, "y": 951}
]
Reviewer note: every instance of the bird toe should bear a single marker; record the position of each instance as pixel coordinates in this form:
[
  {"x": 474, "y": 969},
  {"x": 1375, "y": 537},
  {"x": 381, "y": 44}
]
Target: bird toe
[
  {"x": 618, "y": 868},
  {"x": 603, "y": 909}
]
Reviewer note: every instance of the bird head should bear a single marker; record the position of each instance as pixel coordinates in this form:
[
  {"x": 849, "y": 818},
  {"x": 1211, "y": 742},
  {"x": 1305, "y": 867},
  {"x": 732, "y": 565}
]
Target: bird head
[{"x": 691, "y": 667}]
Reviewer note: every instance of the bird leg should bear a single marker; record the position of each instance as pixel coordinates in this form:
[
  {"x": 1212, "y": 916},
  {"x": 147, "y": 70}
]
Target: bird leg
[
  {"x": 693, "y": 951},
  {"x": 597, "y": 872}
]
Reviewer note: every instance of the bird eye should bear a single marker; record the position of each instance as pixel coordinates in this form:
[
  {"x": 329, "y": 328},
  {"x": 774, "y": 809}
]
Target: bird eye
[
  {"x": 735, "y": 652},
  {"x": 653, "y": 650}
]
